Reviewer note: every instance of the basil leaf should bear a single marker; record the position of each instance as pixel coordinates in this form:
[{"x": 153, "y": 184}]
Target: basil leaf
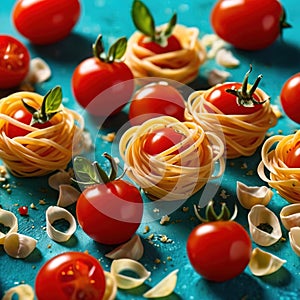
[
  {"x": 117, "y": 50},
  {"x": 85, "y": 171},
  {"x": 52, "y": 100},
  {"x": 168, "y": 31}
]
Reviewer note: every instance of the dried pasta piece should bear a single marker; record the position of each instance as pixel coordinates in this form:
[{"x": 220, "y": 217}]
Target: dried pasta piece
[
  {"x": 294, "y": 237},
  {"x": 24, "y": 292},
  {"x": 58, "y": 178},
  {"x": 225, "y": 58},
  {"x": 127, "y": 282},
  {"x": 111, "y": 287},
  {"x": 172, "y": 176},
  {"x": 279, "y": 176},
  {"x": 290, "y": 216},
  {"x": 182, "y": 65},
  {"x": 8, "y": 219},
  {"x": 67, "y": 195},
  {"x": 39, "y": 71},
  {"x": 164, "y": 288}
]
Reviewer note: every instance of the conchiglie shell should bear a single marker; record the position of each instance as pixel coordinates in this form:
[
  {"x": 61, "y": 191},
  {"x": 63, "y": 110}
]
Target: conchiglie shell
[
  {"x": 110, "y": 288},
  {"x": 18, "y": 245},
  {"x": 259, "y": 214},
  {"x": 126, "y": 282},
  {"x": 7, "y": 219},
  {"x": 294, "y": 236},
  {"x": 39, "y": 71},
  {"x": 249, "y": 196},
  {"x": 290, "y": 216},
  {"x": 133, "y": 249},
  {"x": 164, "y": 288},
  {"x": 54, "y": 213},
  {"x": 67, "y": 195},
  {"x": 24, "y": 292},
  {"x": 58, "y": 178},
  {"x": 264, "y": 263}
]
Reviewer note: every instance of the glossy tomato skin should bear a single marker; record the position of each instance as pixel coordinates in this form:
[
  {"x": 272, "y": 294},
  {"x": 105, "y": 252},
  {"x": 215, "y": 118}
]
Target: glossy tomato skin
[
  {"x": 219, "y": 250},
  {"x": 102, "y": 88},
  {"x": 71, "y": 275},
  {"x": 226, "y": 102},
  {"x": 293, "y": 157},
  {"x": 248, "y": 24},
  {"x": 45, "y": 21},
  {"x": 289, "y": 97},
  {"x": 154, "y": 100},
  {"x": 110, "y": 213},
  {"x": 14, "y": 62},
  {"x": 173, "y": 44}
]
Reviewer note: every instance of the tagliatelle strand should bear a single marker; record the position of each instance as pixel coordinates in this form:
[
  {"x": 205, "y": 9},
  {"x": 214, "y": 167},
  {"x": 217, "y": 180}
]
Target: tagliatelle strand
[
  {"x": 41, "y": 151},
  {"x": 167, "y": 175},
  {"x": 282, "y": 178},
  {"x": 182, "y": 65},
  {"x": 243, "y": 134}
]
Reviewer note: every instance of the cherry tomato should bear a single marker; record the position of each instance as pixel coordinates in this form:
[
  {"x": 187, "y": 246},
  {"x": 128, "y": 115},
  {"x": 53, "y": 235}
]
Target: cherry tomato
[
  {"x": 248, "y": 24},
  {"x": 289, "y": 97},
  {"x": 162, "y": 139},
  {"x": 23, "y": 210},
  {"x": 102, "y": 86},
  {"x": 154, "y": 100},
  {"x": 293, "y": 157},
  {"x": 14, "y": 62},
  {"x": 45, "y": 21},
  {"x": 219, "y": 250},
  {"x": 71, "y": 275}
]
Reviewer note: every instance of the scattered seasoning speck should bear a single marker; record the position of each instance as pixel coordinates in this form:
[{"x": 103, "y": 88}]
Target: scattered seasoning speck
[
  {"x": 42, "y": 202},
  {"x": 151, "y": 236},
  {"x": 146, "y": 229},
  {"x": 109, "y": 137},
  {"x": 155, "y": 210},
  {"x": 164, "y": 219},
  {"x": 157, "y": 261},
  {"x": 169, "y": 258},
  {"x": 185, "y": 208},
  {"x": 32, "y": 206},
  {"x": 244, "y": 166},
  {"x": 49, "y": 246},
  {"x": 250, "y": 173}
]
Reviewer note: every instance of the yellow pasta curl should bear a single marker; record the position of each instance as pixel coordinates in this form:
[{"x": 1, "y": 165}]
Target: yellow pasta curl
[
  {"x": 41, "y": 151},
  {"x": 282, "y": 178},
  {"x": 182, "y": 65},
  {"x": 168, "y": 175},
  {"x": 243, "y": 134}
]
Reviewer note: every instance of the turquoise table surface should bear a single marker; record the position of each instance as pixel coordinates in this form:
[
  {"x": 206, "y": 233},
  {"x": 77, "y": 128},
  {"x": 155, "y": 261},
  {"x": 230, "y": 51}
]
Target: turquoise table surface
[{"x": 112, "y": 19}]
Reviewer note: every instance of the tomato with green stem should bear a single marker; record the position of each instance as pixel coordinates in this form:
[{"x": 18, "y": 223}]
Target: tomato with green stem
[
  {"x": 156, "y": 99},
  {"x": 156, "y": 40},
  {"x": 45, "y": 21},
  {"x": 289, "y": 97},
  {"x": 103, "y": 84},
  {"x": 71, "y": 275},
  {"x": 219, "y": 249},
  {"x": 248, "y": 24},
  {"x": 234, "y": 98},
  {"x": 109, "y": 209},
  {"x": 14, "y": 62},
  {"x": 38, "y": 118}
]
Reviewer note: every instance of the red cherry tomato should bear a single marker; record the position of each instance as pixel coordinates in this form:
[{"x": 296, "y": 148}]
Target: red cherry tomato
[
  {"x": 14, "y": 62},
  {"x": 293, "y": 157},
  {"x": 45, "y": 21},
  {"x": 248, "y": 24},
  {"x": 71, "y": 275},
  {"x": 219, "y": 250},
  {"x": 110, "y": 213},
  {"x": 23, "y": 210},
  {"x": 154, "y": 100},
  {"x": 227, "y": 103},
  {"x": 289, "y": 97},
  {"x": 162, "y": 139}
]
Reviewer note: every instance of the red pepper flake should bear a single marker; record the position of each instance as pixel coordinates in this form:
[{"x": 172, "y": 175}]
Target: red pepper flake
[{"x": 23, "y": 210}]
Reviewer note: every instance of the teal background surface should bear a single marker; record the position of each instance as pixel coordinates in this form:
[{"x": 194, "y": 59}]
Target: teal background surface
[{"x": 112, "y": 18}]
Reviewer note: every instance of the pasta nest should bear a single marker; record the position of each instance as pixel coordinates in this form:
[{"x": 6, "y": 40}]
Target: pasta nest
[
  {"x": 282, "y": 178},
  {"x": 41, "y": 151},
  {"x": 181, "y": 65},
  {"x": 242, "y": 134},
  {"x": 167, "y": 175}
]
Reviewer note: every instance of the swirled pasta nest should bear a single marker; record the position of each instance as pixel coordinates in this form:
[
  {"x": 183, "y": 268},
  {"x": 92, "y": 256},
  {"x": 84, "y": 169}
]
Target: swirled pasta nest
[
  {"x": 282, "y": 178},
  {"x": 41, "y": 151},
  {"x": 172, "y": 175},
  {"x": 243, "y": 134},
  {"x": 181, "y": 65}
]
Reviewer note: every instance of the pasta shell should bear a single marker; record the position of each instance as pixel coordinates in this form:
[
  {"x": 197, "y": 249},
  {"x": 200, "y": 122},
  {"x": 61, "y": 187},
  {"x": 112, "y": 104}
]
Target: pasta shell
[
  {"x": 258, "y": 216},
  {"x": 294, "y": 236},
  {"x": 290, "y": 216},
  {"x": 8, "y": 219},
  {"x": 54, "y": 213},
  {"x": 58, "y": 178},
  {"x": 24, "y": 292},
  {"x": 126, "y": 282},
  {"x": 133, "y": 249},
  {"x": 264, "y": 263},
  {"x": 110, "y": 288},
  {"x": 18, "y": 245},
  {"x": 39, "y": 71},
  {"x": 164, "y": 288},
  {"x": 249, "y": 196},
  {"x": 67, "y": 195},
  {"x": 225, "y": 58}
]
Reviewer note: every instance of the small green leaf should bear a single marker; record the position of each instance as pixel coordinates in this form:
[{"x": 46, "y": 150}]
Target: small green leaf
[
  {"x": 53, "y": 100},
  {"x": 85, "y": 170},
  {"x": 143, "y": 19},
  {"x": 117, "y": 50},
  {"x": 31, "y": 109},
  {"x": 98, "y": 47},
  {"x": 168, "y": 31}
]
